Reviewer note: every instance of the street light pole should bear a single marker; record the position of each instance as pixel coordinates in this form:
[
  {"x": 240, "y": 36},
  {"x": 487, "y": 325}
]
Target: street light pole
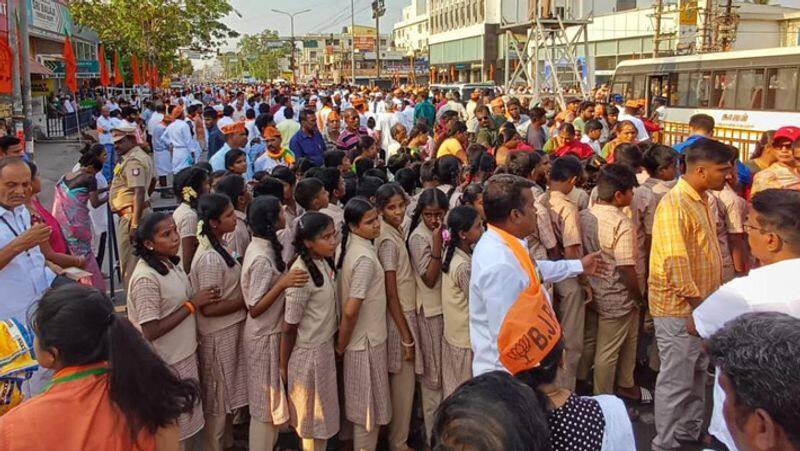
[
  {"x": 291, "y": 25},
  {"x": 378, "y": 9},
  {"x": 352, "y": 43}
]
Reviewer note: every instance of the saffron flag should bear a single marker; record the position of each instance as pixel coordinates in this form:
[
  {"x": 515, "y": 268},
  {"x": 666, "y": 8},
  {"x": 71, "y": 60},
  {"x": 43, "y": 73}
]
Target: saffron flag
[
  {"x": 135, "y": 70},
  {"x": 117, "y": 73},
  {"x": 70, "y": 66},
  {"x": 101, "y": 56}
]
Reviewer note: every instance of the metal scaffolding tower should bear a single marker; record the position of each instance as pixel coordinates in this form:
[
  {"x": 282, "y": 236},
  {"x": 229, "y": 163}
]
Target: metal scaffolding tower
[{"x": 548, "y": 56}]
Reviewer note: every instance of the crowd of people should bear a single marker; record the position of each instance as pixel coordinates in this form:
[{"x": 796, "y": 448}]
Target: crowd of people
[{"x": 342, "y": 261}]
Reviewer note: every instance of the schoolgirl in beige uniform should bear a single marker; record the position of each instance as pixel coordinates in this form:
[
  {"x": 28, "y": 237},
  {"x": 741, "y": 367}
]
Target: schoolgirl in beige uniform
[
  {"x": 465, "y": 227},
  {"x": 308, "y": 363},
  {"x": 425, "y": 250},
  {"x": 264, "y": 280},
  {"x": 220, "y": 325},
  {"x": 235, "y": 188},
  {"x": 190, "y": 183},
  {"x": 362, "y": 330},
  {"x": 404, "y": 355},
  {"x": 161, "y": 304}
]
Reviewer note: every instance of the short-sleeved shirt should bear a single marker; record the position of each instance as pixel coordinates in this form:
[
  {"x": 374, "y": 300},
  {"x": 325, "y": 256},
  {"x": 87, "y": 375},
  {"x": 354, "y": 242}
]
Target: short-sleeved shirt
[
  {"x": 450, "y": 146},
  {"x": 564, "y": 217},
  {"x": 238, "y": 240},
  {"x": 607, "y": 229},
  {"x": 134, "y": 171},
  {"x": 777, "y": 176}
]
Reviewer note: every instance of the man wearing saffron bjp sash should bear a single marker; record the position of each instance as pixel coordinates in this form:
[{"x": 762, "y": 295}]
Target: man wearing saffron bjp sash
[
  {"x": 275, "y": 155},
  {"x": 506, "y": 284}
]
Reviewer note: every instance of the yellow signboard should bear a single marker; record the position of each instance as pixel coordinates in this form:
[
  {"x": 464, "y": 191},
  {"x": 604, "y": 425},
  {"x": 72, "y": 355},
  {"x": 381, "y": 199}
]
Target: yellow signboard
[
  {"x": 42, "y": 88},
  {"x": 688, "y": 12}
]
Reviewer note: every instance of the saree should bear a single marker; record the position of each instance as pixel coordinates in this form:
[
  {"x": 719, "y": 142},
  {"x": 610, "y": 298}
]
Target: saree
[{"x": 71, "y": 210}]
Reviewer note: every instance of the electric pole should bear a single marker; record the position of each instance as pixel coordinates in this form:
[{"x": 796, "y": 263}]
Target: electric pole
[
  {"x": 378, "y": 10},
  {"x": 352, "y": 43}
]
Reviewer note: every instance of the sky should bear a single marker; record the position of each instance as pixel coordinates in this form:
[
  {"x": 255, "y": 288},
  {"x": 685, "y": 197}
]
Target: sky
[{"x": 326, "y": 16}]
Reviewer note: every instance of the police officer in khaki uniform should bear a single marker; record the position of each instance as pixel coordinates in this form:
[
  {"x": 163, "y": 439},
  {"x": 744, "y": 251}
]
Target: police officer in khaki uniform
[{"x": 129, "y": 193}]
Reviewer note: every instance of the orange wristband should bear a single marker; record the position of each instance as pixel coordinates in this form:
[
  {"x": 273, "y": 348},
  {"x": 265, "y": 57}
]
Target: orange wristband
[{"x": 190, "y": 307}]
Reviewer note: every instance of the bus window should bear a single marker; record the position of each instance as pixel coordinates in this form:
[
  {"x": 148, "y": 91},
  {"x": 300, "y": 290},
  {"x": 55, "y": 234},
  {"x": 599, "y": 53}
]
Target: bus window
[
  {"x": 751, "y": 89},
  {"x": 638, "y": 87},
  {"x": 692, "y": 91},
  {"x": 703, "y": 89},
  {"x": 683, "y": 89},
  {"x": 781, "y": 87},
  {"x": 724, "y": 92},
  {"x": 673, "y": 90}
]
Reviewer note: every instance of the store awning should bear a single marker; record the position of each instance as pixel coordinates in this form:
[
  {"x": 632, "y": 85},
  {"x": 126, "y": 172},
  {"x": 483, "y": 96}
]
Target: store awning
[{"x": 38, "y": 68}]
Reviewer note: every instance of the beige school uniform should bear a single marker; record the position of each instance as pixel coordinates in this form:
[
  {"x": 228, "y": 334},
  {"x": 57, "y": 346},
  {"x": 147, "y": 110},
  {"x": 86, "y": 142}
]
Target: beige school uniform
[
  {"x": 612, "y": 320},
  {"x": 730, "y": 212},
  {"x": 262, "y": 335},
  {"x": 570, "y": 307},
  {"x": 456, "y": 346},
  {"x": 431, "y": 324},
  {"x": 366, "y": 375},
  {"x": 336, "y": 213},
  {"x": 223, "y": 368},
  {"x": 455, "y": 197},
  {"x": 151, "y": 297},
  {"x": 186, "y": 222},
  {"x": 312, "y": 391},
  {"x": 238, "y": 240},
  {"x": 393, "y": 256}
]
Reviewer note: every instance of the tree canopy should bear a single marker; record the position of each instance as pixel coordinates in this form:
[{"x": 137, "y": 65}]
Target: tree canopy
[
  {"x": 255, "y": 56},
  {"x": 156, "y": 29}
]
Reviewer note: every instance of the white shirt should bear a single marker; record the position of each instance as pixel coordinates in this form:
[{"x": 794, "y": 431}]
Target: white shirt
[
  {"x": 155, "y": 119},
  {"x": 26, "y": 275},
  {"x": 178, "y": 135},
  {"x": 766, "y": 289},
  {"x": 593, "y": 143},
  {"x": 104, "y": 126},
  {"x": 522, "y": 125},
  {"x": 641, "y": 132},
  {"x": 496, "y": 281}
]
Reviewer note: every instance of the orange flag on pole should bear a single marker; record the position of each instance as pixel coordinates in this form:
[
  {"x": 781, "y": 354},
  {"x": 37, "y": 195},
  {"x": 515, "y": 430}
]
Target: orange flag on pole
[
  {"x": 135, "y": 70},
  {"x": 101, "y": 56},
  {"x": 70, "y": 66},
  {"x": 117, "y": 74}
]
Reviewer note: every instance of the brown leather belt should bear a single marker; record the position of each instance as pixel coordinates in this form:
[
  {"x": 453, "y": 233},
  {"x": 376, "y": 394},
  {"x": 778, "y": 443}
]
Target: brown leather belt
[{"x": 125, "y": 211}]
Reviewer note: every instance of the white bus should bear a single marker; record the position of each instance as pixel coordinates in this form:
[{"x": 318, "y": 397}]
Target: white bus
[{"x": 746, "y": 92}]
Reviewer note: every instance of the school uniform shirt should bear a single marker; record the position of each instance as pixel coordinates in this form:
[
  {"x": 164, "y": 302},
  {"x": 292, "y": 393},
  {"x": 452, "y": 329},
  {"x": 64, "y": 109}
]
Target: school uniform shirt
[
  {"x": 765, "y": 289},
  {"x": 336, "y": 212},
  {"x": 186, "y": 221},
  {"x": 262, "y": 335},
  {"x": 543, "y": 238},
  {"x": 393, "y": 255},
  {"x": 658, "y": 187},
  {"x": 605, "y": 228},
  {"x": 238, "y": 240},
  {"x": 366, "y": 375},
  {"x": 456, "y": 347},
  {"x": 730, "y": 212},
  {"x": 428, "y": 299},
  {"x": 153, "y": 297},
  {"x": 564, "y": 218},
  {"x": 312, "y": 387},
  {"x": 495, "y": 282},
  {"x": 221, "y": 345},
  {"x": 593, "y": 143}
]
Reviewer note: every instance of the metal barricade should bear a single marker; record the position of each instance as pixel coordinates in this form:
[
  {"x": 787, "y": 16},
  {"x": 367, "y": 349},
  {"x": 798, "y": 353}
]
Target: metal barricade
[
  {"x": 743, "y": 139},
  {"x": 70, "y": 124}
]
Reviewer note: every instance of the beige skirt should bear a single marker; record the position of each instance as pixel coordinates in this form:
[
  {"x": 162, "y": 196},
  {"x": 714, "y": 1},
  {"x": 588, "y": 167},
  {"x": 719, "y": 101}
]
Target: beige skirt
[
  {"x": 367, "y": 399},
  {"x": 313, "y": 396},
  {"x": 394, "y": 348},
  {"x": 456, "y": 367},
  {"x": 430, "y": 334},
  {"x": 223, "y": 371},
  {"x": 265, "y": 393},
  {"x": 190, "y": 423}
]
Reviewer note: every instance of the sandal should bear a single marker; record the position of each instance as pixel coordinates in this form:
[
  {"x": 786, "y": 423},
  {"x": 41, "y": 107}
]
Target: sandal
[{"x": 645, "y": 397}]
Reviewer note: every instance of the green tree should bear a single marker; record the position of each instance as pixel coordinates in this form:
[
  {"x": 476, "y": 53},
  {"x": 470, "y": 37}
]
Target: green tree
[
  {"x": 155, "y": 29},
  {"x": 255, "y": 56}
]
